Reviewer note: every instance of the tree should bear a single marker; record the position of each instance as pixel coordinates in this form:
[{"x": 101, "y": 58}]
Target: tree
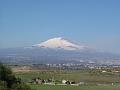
[
  {"x": 8, "y": 81},
  {"x": 6, "y": 75}
]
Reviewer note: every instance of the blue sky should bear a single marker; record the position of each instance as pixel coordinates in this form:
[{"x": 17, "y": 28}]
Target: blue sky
[{"x": 93, "y": 22}]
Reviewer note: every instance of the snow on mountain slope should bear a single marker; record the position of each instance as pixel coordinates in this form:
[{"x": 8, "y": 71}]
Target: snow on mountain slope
[{"x": 59, "y": 43}]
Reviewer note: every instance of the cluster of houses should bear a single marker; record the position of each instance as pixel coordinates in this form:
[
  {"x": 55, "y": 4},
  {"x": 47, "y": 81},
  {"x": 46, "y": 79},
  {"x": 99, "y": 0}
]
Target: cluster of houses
[
  {"x": 37, "y": 81},
  {"x": 63, "y": 82},
  {"x": 68, "y": 82},
  {"x": 40, "y": 81},
  {"x": 52, "y": 82}
]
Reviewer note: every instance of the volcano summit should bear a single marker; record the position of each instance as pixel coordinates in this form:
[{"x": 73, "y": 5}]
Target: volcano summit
[{"x": 60, "y": 43}]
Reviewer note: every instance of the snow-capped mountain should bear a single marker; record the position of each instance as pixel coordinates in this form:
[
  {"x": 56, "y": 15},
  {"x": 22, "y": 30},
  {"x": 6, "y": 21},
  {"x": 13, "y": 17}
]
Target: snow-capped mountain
[
  {"x": 57, "y": 50},
  {"x": 60, "y": 43}
]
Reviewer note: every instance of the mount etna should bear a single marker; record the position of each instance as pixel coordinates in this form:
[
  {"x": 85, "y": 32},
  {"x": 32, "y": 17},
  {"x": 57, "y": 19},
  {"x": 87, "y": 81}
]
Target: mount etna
[{"x": 57, "y": 50}]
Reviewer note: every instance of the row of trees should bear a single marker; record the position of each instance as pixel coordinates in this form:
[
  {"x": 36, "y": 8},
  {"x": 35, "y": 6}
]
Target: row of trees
[{"x": 8, "y": 81}]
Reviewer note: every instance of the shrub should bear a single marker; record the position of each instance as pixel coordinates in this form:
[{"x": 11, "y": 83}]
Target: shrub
[
  {"x": 3, "y": 85},
  {"x": 20, "y": 87}
]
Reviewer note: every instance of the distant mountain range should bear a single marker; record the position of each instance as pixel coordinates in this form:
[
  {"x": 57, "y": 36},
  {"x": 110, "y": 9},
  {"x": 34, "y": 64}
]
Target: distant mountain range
[{"x": 56, "y": 50}]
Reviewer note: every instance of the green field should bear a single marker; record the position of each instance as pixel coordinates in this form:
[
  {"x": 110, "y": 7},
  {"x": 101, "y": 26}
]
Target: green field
[
  {"x": 47, "y": 87},
  {"x": 78, "y": 76},
  {"x": 92, "y": 80}
]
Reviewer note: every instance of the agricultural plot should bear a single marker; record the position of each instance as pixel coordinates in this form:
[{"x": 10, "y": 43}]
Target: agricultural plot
[
  {"x": 77, "y": 76},
  {"x": 47, "y": 87}
]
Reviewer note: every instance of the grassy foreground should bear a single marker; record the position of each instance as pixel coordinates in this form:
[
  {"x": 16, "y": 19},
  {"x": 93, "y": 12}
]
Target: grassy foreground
[
  {"x": 48, "y": 87},
  {"x": 78, "y": 76}
]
